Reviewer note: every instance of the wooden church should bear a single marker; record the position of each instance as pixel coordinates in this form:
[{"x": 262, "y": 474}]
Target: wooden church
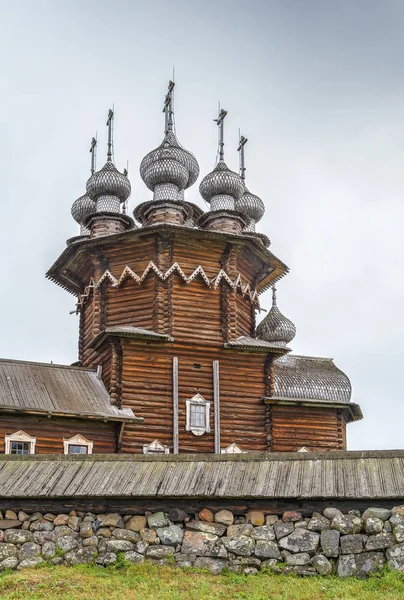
[{"x": 170, "y": 357}]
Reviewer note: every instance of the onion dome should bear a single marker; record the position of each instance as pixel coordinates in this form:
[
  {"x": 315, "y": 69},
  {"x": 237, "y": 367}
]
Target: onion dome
[
  {"x": 222, "y": 188},
  {"x": 251, "y": 207},
  {"x": 82, "y": 208},
  {"x": 169, "y": 169},
  {"x": 108, "y": 188},
  {"x": 275, "y": 327}
]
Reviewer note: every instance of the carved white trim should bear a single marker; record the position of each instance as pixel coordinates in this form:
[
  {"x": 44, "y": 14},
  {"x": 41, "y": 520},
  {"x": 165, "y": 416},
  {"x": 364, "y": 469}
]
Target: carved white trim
[
  {"x": 303, "y": 449},
  {"x": 77, "y": 440},
  {"x": 198, "y": 400},
  {"x": 233, "y": 449},
  {"x": 19, "y": 436},
  {"x": 236, "y": 285},
  {"x": 156, "y": 447}
]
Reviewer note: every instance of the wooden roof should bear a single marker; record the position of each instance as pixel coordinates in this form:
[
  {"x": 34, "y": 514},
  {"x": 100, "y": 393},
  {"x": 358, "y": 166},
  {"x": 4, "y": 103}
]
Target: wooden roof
[
  {"x": 333, "y": 475},
  {"x": 31, "y": 387}
]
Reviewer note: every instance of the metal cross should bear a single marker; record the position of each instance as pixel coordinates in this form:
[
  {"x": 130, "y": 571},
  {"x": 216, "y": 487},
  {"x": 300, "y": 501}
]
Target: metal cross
[
  {"x": 93, "y": 152},
  {"x": 242, "y": 142},
  {"x": 110, "y": 124},
  {"x": 219, "y": 121},
  {"x": 168, "y": 107}
]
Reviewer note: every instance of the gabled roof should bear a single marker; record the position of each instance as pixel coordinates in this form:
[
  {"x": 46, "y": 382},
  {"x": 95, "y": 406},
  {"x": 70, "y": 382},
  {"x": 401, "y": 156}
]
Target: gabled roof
[
  {"x": 31, "y": 387},
  {"x": 245, "y": 342},
  {"x": 128, "y": 331}
]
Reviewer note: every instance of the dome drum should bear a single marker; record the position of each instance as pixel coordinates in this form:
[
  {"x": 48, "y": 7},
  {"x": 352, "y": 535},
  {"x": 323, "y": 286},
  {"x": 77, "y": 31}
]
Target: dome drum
[
  {"x": 109, "y": 204},
  {"x": 166, "y": 191},
  {"x": 222, "y": 202}
]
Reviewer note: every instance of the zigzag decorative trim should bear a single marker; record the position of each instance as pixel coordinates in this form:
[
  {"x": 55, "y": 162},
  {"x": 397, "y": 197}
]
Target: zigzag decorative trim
[{"x": 235, "y": 285}]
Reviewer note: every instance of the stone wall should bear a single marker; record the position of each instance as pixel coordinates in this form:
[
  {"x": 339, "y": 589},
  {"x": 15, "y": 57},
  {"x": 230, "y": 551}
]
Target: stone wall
[{"x": 351, "y": 544}]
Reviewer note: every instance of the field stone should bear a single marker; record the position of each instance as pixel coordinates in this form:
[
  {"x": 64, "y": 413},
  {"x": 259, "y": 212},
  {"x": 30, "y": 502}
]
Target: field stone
[
  {"x": 29, "y": 550},
  {"x": 206, "y": 515},
  {"x": 185, "y": 560},
  {"x": 301, "y": 540},
  {"x": 255, "y": 517},
  {"x": 104, "y": 532},
  {"x": 282, "y": 529},
  {"x": 111, "y": 520},
  {"x": 136, "y": 523},
  {"x": 352, "y": 544},
  {"x": 42, "y": 525},
  {"x": 149, "y": 536},
  {"x": 263, "y": 532},
  {"x": 22, "y": 516},
  {"x": 387, "y": 527},
  {"x": 156, "y": 520},
  {"x": 7, "y": 550},
  {"x": 395, "y": 557},
  {"x": 49, "y": 517},
  {"x": 86, "y": 530},
  {"x": 346, "y": 566},
  {"x": 396, "y": 519},
  {"x": 398, "y": 510},
  {"x": 321, "y": 564},
  {"x": 271, "y": 519},
  {"x": 330, "y": 512},
  {"x": 81, "y": 556},
  {"x": 63, "y": 530},
  {"x": 17, "y": 536},
  {"x": 369, "y": 562},
  {"x": 91, "y": 541},
  {"x": 377, "y": 513},
  {"x": 106, "y": 558},
  {"x": 159, "y": 552},
  {"x": 399, "y": 533},
  {"x": 199, "y": 543},
  {"x": 177, "y": 515},
  {"x": 290, "y": 516},
  {"x": 241, "y": 546},
  {"x": 265, "y": 549},
  {"x": 49, "y": 550},
  {"x": 318, "y": 523},
  {"x": 373, "y": 525},
  {"x": 347, "y": 524},
  {"x": 236, "y": 530},
  {"x": 213, "y": 528},
  {"x": 36, "y": 516},
  {"x": 297, "y": 560},
  {"x": 142, "y": 547},
  {"x": 8, "y": 563},
  {"x": 119, "y": 546},
  {"x": 10, "y": 523},
  {"x": 61, "y": 520},
  {"x": 29, "y": 563},
  {"x": 134, "y": 557},
  {"x": 380, "y": 541},
  {"x": 214, "y": 565},
  {"x": 269, "y": 563},
  {"x": 224, "y": 517},
  {"x": 40, "y": 537},
  {"x": 170, "y": 536},
  {"x": 10, "y": 514},
  {"x": 66, "y": 543},
  {"x": 301, "y": 525},
  {"x": 126, "y": 534}
]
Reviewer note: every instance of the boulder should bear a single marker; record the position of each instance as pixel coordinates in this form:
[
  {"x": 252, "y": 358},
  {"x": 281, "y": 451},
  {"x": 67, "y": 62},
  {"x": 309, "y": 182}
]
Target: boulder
[
  {"x": 81, "y": 556},
  {"x": 42, "y": 525},
  {"x": 49, "y": 517},
  {"x": 63, "y": 530},
  {"x": 22, "y": 516},
  {"x": 301, "y": 540},
  {"x": 369, "y": 562},
  {"x": 111, "y": 520},
  {"x": 237, "y": 530},
  {"x": 141, "y": 547},
  {"x": 298, "y": 560},
  {"x": 201, "y": 544},
  {"x": 126, "y": 534},
  {"x": 176, "y": 515},
  {"x": 171, "y": 535},
  {"x": 157, "y": 520},
  {"x": 380, "y": 541},
  {"x": 49, "y": 550},
  {"x": 318, "y": 523},
  {"x": 396, "y": 519},
  {"x": 10, "y": 523},
  {"x": 321, "y": 564},
  {"x": 263, "y": 532},
  {"x": 7, "y": 550},
  {"x": 86, "y": 530},
  {"x": 224, "y": 517},
  {"x": 282, "y": 529},
  {"x": 106, "y": 558},
  {"x": 29, "y": 550},
  {"x": 119, "y": 546},
  {"x": 330, "y": 512},
  {"x": 396, "y": 510},
  {"x": 265, "y": 549},
  {"x": 301, "y": 525},
  {"x": 213, "y": 528},
  {"x": 136, "y": 523},
  {"x": 66, "y": 543},
  {"x": 255, "y": 517},
  {"x": 10, "y": 514},
  {"x": 61, "y": 520},
  {"x": 347, "y": 524},
  {"x": 28, "y": 563},
  {"x": 373, "y": 525},
  {"x": 271, "y": 563},
  {"x": 395, "y": 557},
  {"x": 346, "y": 566},
  {"x": 398, "y": 534},
  {"x": 159, "y": 552},
  {"x": 329, "y": 540},
  {"x": 17, "y": 536},
  {"x": 41, "y": 537},
  {"x": 241, "y": 546},
  {"x": 8, "y": 563},
  {"x": 271, "y": 519},
  {"x": 377, "y": 513},
  {"x": 290, "y": 516},
  {"x": 214, "y": 565},
  {"x": 352, "y": 544},
  {"x": 134, "y": 557},
  {"x": 149, "y": 536},
  {"x": 206, "y": 515},
  {"x": 91, "y": 541}
]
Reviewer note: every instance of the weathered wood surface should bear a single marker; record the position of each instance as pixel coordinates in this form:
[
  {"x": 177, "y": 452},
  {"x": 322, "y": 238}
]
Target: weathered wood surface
[{"x": 277, "y": 476}]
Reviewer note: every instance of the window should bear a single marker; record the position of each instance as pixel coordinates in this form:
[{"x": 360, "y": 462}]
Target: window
[
  {"x": 198, "y": 415},
  {"x": 155, "y": 448},
  {"x": 78, "y": 445},
  {"x": 232, "y": 449},
  {"x": 20, "y": 443}
]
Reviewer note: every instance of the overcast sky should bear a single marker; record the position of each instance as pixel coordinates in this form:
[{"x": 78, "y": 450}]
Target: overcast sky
[{"x": 317, "y": 87}]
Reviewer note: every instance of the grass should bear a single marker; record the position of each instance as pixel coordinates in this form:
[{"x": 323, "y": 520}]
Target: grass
[{"x": 150, "y": 582}]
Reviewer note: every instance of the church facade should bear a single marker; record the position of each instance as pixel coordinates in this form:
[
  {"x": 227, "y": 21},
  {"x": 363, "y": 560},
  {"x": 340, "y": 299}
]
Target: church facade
[{"x": 168, "y": 340}]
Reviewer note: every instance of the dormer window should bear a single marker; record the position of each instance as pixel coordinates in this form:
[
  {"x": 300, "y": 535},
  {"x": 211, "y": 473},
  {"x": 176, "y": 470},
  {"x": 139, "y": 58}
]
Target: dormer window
[
  {"x": 78, "y": 445},
  {"x": 198, "y": 415},
  {"x": 232, "y": 449},
  {"x": 155, "y": 448},
  {"x": 20, "y": 443}
]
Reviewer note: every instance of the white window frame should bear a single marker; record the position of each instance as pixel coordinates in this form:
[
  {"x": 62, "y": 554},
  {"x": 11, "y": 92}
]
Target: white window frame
[
  {"x": 198, "y": 400},
  {"x": 156, "y": 447},
  {"x": 77, "y": 440},
  {"x": 19, "y": 436},
  {"x": 233, "y": 449}
]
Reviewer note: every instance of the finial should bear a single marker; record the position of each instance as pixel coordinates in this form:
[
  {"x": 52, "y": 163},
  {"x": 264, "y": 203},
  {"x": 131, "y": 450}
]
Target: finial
[
  {"x": 110, "y": 125},
  {"x": 242, "y": 142},
  {"x": 93, "y": 152},
  {"x": 219, "y": 121},
  {"x": 273, "y": 295},
  {"x": 168, "y": 108}
]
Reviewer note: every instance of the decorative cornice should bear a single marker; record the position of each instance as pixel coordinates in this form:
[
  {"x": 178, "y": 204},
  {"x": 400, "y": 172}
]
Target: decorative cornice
[{"x": 236, "y": 285}]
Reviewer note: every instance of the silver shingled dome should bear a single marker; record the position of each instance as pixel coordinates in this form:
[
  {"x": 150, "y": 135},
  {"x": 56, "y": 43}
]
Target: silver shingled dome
[
  {"x": 251, "y": 206},
  {"x": 82, "y": 207},
  {"x": 275, "y": 327},
  {"x": 221, "y": 182},
  {"x": 108, "y": 181}
]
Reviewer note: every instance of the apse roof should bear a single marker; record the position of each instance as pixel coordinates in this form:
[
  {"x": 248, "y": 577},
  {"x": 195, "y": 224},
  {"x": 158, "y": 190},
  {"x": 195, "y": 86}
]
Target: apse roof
[{"x": 31, "y": 387}]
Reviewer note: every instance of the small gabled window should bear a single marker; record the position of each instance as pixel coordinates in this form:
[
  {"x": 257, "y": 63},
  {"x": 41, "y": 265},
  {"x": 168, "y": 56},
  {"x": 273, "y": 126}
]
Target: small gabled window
[
  {"x": 198, "y": 415},
  {"x": 156, "y": 447},
  {"x": 233, "y": 449},
  {"x": 19, "y": 443},
  {"x": 78, "y": 445}
]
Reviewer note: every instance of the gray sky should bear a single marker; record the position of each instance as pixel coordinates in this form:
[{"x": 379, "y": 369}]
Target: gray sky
[{"x": 316, "y": 86}]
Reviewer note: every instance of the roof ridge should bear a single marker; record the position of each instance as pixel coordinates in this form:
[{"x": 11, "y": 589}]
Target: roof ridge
[{"x": 43, "y": 364}]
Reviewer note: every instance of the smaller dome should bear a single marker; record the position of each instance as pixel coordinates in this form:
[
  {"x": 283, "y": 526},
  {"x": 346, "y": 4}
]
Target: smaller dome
[
  {"x": 221, "y": 181},
  {"x": 108, "y": 181},
  {"x": 275, "y": 327},
  {"x": 82, "y": 207},
  {"x": 251, "y": 206}
]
